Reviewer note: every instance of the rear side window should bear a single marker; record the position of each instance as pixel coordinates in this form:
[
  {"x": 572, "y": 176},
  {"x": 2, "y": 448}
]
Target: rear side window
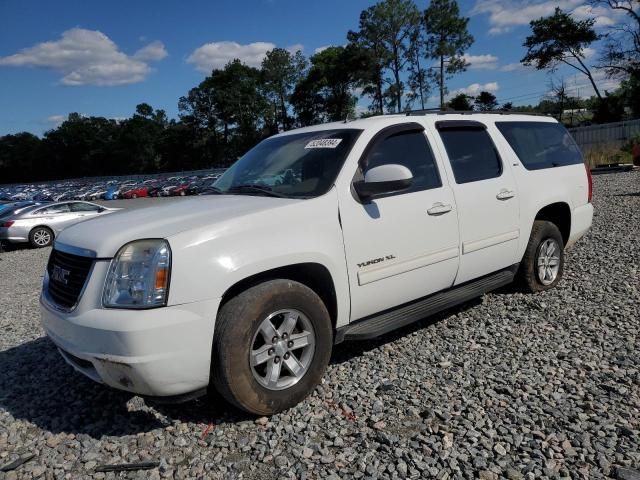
[
  {"x": 60, "y": 208},
  {"x": 472, "y": 154},
  {"x": 411, "y": 150},
  {"x": 84, "y": 207},
  {"x": 540, "y": 144}
]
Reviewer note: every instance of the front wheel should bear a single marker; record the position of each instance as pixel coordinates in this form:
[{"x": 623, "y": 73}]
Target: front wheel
[
  {"x": 40, "y": 237},
  {"x": 271, "y": 346},
  {"x": 543, "y": 262}
]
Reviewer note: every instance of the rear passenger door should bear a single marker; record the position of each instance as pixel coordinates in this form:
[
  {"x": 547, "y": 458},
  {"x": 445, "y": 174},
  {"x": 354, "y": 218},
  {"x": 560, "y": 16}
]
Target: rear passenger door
[
  {"x": 485, "y": 192},
  {"x": 404, "y": 245}
]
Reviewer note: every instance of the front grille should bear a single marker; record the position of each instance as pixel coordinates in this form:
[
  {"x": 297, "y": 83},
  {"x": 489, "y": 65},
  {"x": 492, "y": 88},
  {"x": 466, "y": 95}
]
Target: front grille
[{"x": 67, "y": 276}]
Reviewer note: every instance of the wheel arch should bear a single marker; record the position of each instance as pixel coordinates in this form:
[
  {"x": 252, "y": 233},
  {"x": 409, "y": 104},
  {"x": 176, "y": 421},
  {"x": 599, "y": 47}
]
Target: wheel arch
[
  {"x": 314, "y": 275},
  {"x": 558, "y": 213}
]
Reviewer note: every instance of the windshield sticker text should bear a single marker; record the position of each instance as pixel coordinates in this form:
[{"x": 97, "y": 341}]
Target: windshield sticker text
[{"x": 323, "y": 143}]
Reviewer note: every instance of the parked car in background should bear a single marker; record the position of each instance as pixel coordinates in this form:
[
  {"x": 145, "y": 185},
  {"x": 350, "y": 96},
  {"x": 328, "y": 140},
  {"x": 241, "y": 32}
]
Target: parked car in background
[
  {"x": 38, "y": 224},
  {"x": 136, "y": 192}
]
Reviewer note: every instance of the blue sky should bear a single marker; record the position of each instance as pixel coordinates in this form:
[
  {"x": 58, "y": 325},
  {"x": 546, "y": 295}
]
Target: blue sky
[{"x": 103, "y": 58}]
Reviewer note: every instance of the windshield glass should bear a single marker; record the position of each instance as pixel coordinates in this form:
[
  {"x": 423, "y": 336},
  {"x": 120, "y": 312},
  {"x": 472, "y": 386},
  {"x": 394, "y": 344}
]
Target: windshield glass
[{"x": 302, "y": 165}]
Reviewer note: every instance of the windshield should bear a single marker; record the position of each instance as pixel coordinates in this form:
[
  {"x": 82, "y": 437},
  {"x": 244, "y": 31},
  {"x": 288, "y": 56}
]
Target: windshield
[{"x": 302, "y": 165}]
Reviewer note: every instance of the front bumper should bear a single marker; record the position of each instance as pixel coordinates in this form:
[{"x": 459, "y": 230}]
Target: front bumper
[{"x": 160, "y": 352}]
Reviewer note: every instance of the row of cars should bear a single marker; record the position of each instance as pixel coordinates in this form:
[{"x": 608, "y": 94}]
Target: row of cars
[{"x": 112, "y": 188}]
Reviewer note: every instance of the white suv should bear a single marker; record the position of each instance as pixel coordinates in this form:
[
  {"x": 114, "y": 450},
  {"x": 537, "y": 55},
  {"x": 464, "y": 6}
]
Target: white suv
[{"x": 334, "y": 232}]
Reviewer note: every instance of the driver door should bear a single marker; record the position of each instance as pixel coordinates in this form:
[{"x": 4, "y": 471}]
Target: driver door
[{"x": 404, "y": 245}]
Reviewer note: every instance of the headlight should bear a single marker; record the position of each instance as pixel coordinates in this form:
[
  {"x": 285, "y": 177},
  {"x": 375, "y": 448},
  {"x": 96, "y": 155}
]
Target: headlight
[{"x": 139, "y": 275}]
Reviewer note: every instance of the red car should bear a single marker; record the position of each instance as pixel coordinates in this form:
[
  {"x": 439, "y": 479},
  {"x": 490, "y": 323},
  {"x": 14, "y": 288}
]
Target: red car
[
  {"x": 180, "y": 190},
  {"x": 136, "y": 192}
]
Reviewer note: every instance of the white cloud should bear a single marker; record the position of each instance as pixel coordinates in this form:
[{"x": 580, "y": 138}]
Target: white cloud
[
  {"x": 512, "y": 67},
  {"x": 605, "y": 17},
  {"x": 218, "y": 54},
  {"x": 578, "y": 85},
  {"x": 295, "y": 47},
  {"x": 506, "y": 14},
  {"x": 86, "y": 57},
  {"x": 481, "y": 62},
  {"x": 322, "y": 48},
  {"x": 474, "y": 89},
  {"x": 153, "y": 52},
  {"x": 55, "y": 120}
]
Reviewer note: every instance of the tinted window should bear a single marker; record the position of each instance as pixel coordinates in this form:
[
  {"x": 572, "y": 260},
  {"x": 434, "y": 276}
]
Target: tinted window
[
  {"x": 540, "y": 144},
  {"x": 84, "y": 207},
  {"x": 61, "y": 208},
  {"x": 472, "y": 154},
  {"x": 411, "y": 150}
]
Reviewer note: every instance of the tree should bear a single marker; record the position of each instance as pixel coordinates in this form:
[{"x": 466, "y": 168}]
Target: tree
[
  {"x": 461, "y": 103},
  {"x": 385, "y": 31},
  {"x": 486, "y": 101},
  {"x": 326, "y": 93},
  {"x": 559, "y": 91},
  {"x": 418, "y": 79},
  {"x": 559, "y": 39},
  {"x": 620, "y": 57},
  {"x": 447, "y": 39},
  {"x": 281, "y": 71},
  {"x": 507, "y": 106}
]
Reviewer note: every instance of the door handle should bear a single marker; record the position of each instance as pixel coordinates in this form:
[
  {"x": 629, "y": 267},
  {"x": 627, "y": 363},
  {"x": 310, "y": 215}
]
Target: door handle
[
  {"x": 439, "y": 208},
  {"x": 505, "y": 194}
]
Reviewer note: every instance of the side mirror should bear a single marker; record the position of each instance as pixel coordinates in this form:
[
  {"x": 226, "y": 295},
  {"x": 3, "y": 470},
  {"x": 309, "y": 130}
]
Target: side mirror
[{"x": 382, "y": 180}]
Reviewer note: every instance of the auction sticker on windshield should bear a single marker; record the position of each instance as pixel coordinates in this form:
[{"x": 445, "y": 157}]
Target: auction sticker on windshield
[{"x": 324, "y": 143}]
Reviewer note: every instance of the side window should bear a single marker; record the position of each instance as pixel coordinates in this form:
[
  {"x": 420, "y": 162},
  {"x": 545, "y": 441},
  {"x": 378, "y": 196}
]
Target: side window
[
  {"x": 472, "y": 154},
  {"x": 541, "y": 145},
  {"x": 61, "y": 208},
  {"x": 84, "y": 207},
  {"x": 411, "y": 150}
]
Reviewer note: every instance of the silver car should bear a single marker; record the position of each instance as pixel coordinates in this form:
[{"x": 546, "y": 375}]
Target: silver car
[{"x": 39, "y": 224}]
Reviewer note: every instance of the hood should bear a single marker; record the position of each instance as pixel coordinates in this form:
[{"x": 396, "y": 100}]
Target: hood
[{"x": 105, "y": 235}]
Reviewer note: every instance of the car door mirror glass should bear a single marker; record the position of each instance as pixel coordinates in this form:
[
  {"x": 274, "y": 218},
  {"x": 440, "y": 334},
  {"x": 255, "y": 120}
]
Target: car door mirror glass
[{"x": 382, "y": 180}]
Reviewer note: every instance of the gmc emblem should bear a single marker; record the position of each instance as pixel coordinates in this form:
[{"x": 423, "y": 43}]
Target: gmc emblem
[{"x": 59, "y": 274}]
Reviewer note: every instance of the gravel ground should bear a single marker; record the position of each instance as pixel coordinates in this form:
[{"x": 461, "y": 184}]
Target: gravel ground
[{"x": 510, "y": 385}]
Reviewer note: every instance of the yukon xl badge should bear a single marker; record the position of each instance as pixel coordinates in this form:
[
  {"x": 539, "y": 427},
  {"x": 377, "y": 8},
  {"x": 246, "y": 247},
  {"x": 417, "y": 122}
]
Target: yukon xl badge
[
  {"x": 376, "y": 260},
  {"x": 59, "y": 274}
]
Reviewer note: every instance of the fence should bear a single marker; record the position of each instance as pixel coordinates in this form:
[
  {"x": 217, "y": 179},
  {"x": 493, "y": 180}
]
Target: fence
[{"x": 609, "y": 135}]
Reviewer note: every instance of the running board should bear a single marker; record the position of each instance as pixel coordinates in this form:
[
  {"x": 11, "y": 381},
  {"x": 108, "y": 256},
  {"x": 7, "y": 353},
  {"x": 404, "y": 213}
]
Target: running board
[{"x": 389, "y": 320}]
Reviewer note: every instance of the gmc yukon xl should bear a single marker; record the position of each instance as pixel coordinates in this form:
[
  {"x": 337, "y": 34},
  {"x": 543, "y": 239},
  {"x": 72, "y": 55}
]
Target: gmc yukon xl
[{"x": 335, "y": 232}]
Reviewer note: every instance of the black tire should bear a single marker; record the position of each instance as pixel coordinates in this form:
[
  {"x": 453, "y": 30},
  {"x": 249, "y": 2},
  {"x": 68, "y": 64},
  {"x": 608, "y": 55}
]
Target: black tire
[
  {"x": 236, "y": 328},
  {"x": 529, "y": 276},
  {"x": 38, "y": 235}
]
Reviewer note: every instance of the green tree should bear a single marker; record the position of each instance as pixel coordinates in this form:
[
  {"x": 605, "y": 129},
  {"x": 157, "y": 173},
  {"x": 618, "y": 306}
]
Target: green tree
[
  {"x": 384, "y": 34},
  {"x": 418, "y": 79},
  {"x": 326, "y": 92},
  {"x": 486, "y": 101},
  {"x": 560, "y": 39},
  {"x": 460, "y": 103},
  {"x": 447, "y": 39},
  {"x": 281, "y": 71}
]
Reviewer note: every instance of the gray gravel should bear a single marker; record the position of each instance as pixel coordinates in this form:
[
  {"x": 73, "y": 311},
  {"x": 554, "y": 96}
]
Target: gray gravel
[{"x": 508, "y": 386}]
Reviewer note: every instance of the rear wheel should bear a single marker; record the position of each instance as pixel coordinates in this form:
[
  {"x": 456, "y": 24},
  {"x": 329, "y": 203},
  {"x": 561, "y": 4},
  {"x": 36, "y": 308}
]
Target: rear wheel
[
  {"x": 543, "y": 262},
  {"x": 271, "y": 346},
  {"x": 40, "y": 237}
]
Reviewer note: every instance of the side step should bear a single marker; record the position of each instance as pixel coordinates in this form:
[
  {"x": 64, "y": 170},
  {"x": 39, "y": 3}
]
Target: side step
[{"x": 389, "y": 320}]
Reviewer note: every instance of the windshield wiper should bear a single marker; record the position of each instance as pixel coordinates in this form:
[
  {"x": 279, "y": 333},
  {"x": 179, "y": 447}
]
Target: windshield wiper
[{"x": 262, "y": 189}]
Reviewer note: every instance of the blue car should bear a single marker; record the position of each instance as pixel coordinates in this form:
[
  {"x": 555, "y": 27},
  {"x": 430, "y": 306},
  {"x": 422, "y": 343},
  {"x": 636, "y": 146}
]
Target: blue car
[{"x": 112, "y": 193}]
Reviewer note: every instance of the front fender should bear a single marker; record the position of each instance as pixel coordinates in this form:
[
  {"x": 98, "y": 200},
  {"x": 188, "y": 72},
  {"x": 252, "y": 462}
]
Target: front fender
[{"x": 210, "y": 260}]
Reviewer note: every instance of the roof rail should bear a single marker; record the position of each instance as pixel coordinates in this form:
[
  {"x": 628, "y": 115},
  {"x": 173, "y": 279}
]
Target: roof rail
[{"x": 438, "y": 111}]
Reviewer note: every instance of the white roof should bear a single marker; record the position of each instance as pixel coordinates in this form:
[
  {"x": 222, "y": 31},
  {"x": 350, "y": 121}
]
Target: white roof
[{"x": 380, "y": 121}]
